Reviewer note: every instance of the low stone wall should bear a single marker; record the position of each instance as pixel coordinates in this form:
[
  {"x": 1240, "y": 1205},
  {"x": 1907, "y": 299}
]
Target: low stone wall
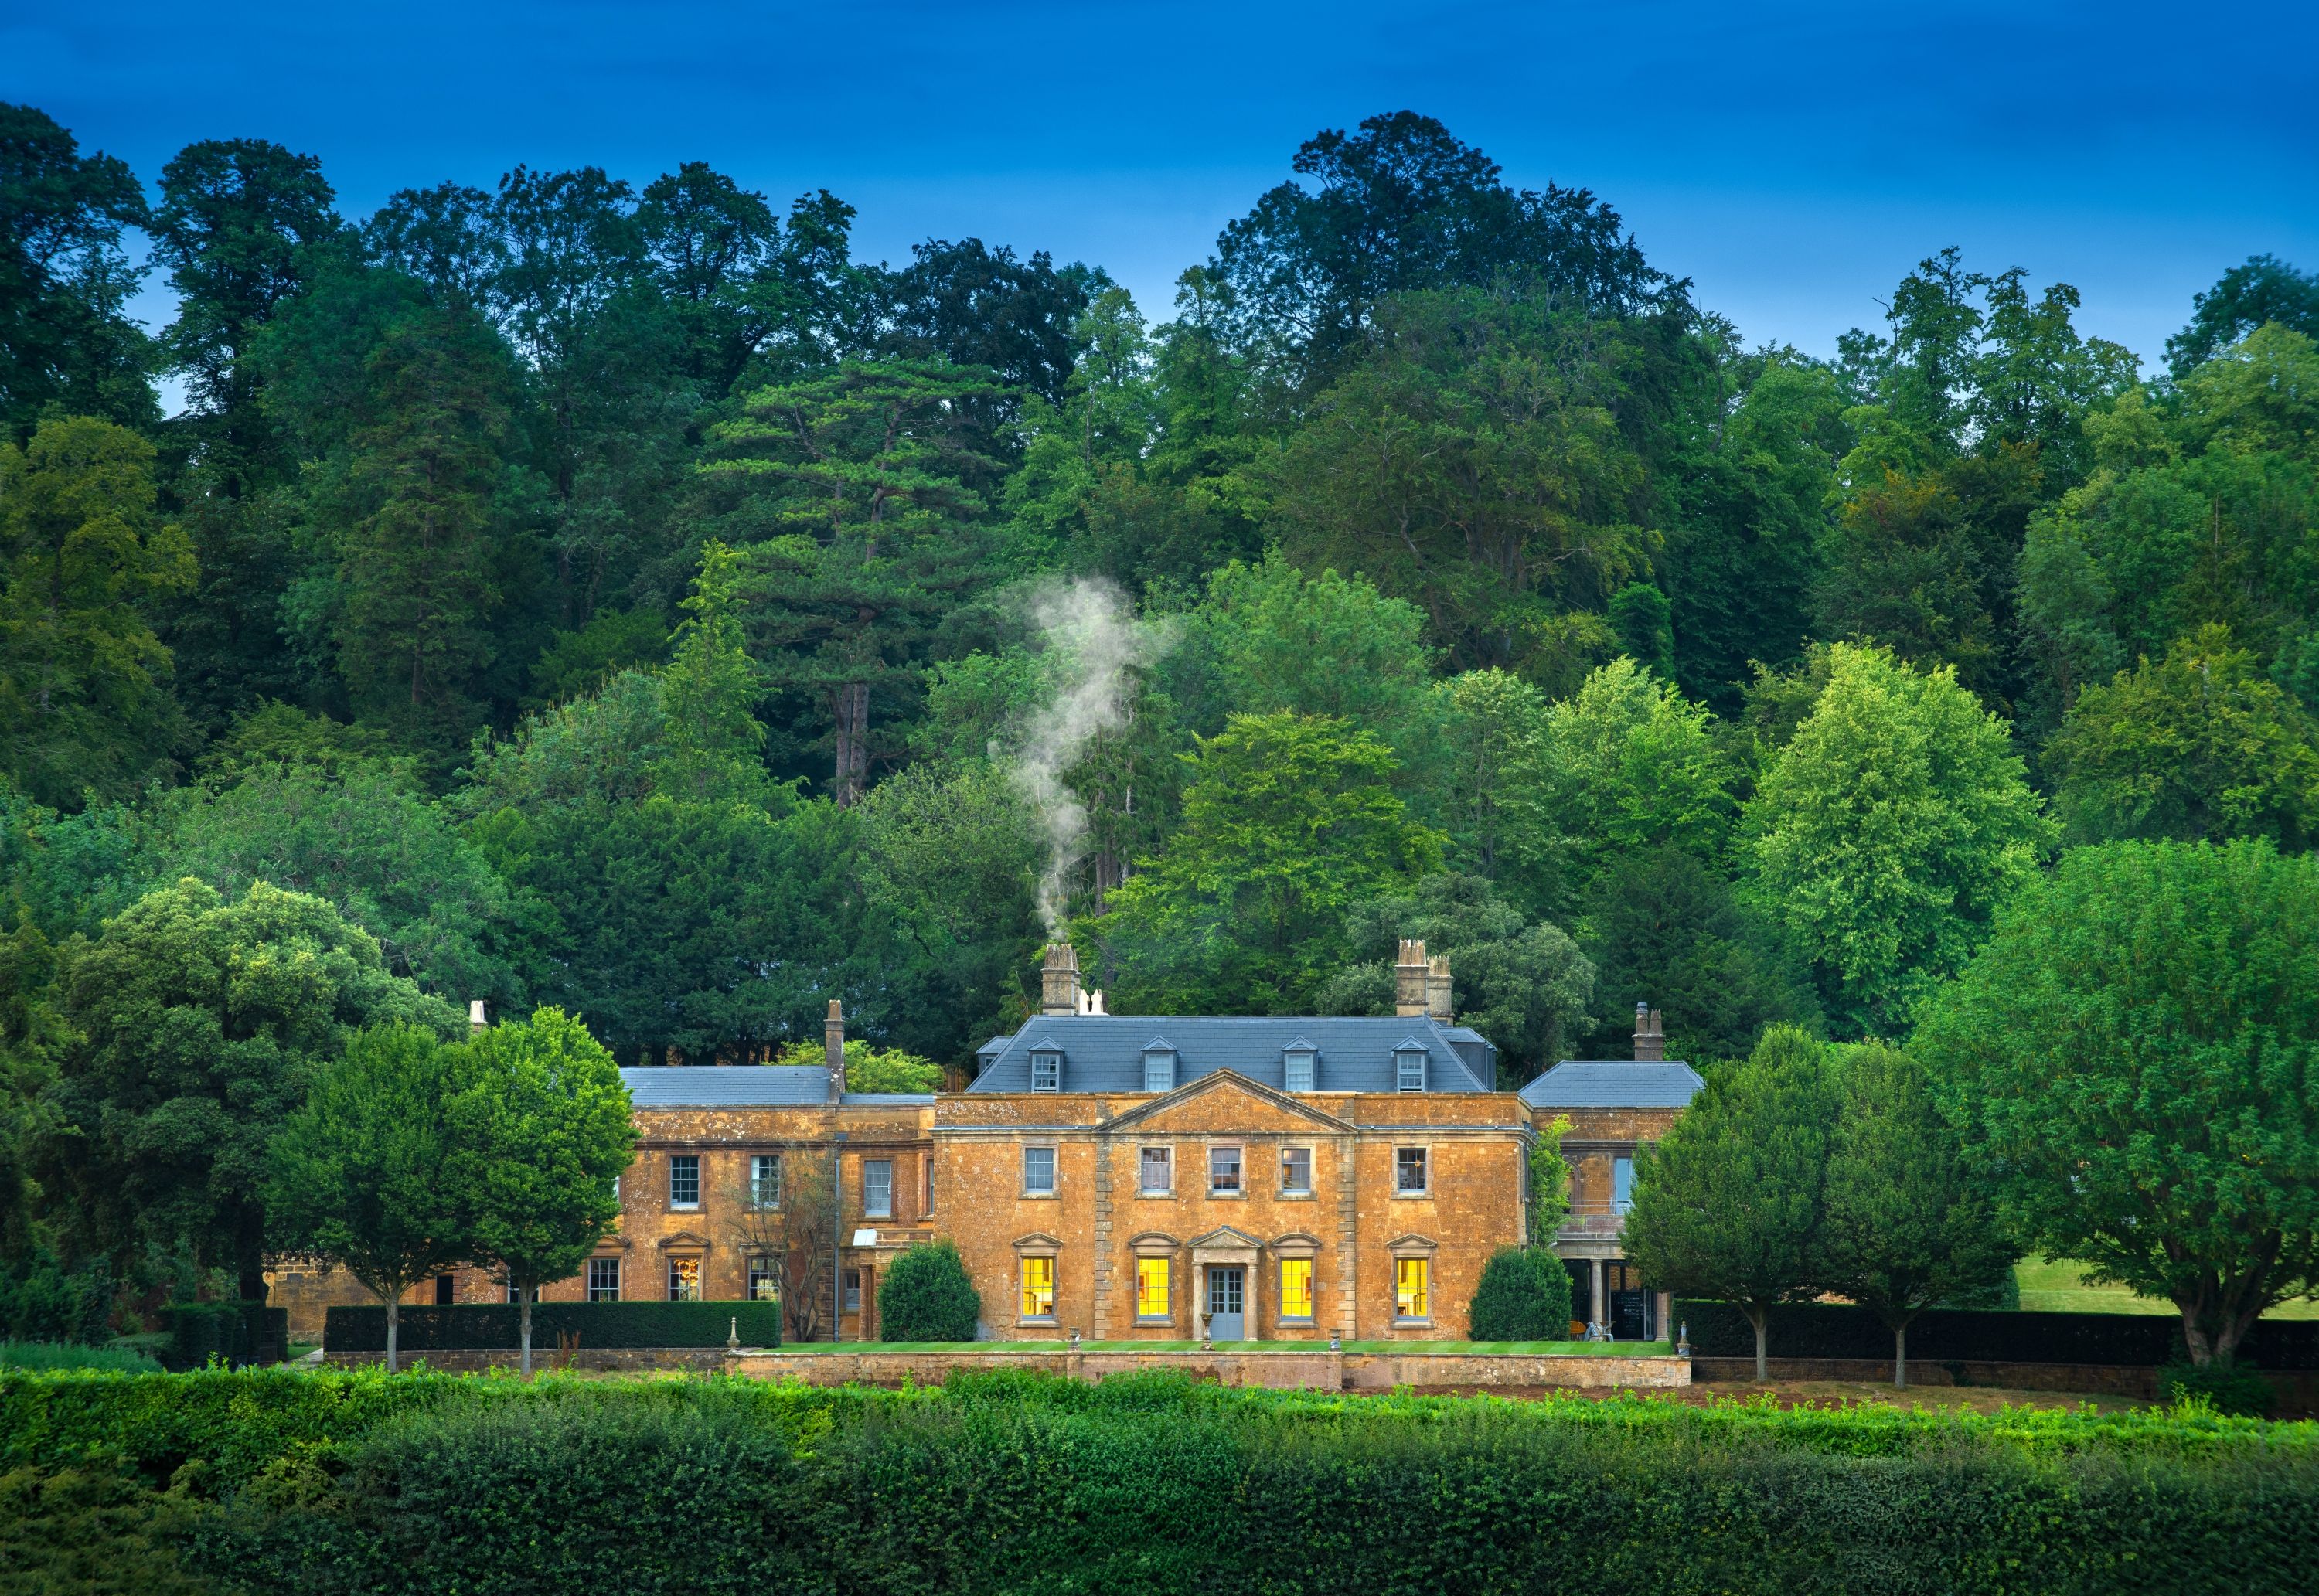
[
  {"x": 1316, "y": 1370},
  {"x": 596, "y": 1360}
]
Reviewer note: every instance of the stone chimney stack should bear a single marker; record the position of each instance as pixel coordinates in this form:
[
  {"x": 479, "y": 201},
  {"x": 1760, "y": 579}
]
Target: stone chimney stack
[
  {"x": 1650, "y": 1039},
  {"x": 1436, "y": 986},
  {"x": 833, "y": 1042},
  {"x": 477, "y": 1023},
  {"x": 1058, "y": 982},
  {"x": 1411, "y": 980}
]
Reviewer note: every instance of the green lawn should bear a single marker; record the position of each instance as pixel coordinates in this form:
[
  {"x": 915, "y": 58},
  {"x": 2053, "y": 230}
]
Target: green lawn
[
  {"x": 2051, "y": 1286},
  {"x": 1518, "y": 1348}
]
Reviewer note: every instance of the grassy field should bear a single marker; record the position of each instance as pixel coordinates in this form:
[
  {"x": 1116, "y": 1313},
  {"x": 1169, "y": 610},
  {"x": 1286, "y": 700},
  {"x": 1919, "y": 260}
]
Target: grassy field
[{"x": 2051, "y": 1286}]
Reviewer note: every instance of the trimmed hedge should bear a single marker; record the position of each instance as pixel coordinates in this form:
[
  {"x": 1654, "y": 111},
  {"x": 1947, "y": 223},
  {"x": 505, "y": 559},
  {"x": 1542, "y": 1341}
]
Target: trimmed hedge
[
  {"x": 361, "y": 1484},
  {"x": 241, "y": 1333},
  {"x": 1939, "y": 1335},
  {"x": 495, "y": 1327}
]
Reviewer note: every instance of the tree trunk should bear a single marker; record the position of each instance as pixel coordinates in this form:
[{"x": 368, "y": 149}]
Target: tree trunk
[
  {"x": 393, "y": 1324},
  {"x": 1900, "y": 1355},
  {"x": 852, "y": 764},
  {"x": 523, "y": 1295},
  {"x": 1761, "y": 1318}
]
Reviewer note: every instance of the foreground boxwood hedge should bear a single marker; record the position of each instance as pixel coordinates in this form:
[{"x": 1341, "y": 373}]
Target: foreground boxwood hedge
[
  {"x": 365, "y": 1483},
  {"x": 1824, "y": 1329},
  {"x": 489, "y": 1327}
]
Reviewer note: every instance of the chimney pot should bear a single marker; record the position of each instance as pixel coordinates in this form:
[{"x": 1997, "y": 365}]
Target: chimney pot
[
  {"x": 833, "y": 1042},
  {"x": 1410, "y": 987},
  {"x": 1650, "y": 1040},
  {"x": 1436, "y": 986},
  {"x": 1058, "y": 982}
]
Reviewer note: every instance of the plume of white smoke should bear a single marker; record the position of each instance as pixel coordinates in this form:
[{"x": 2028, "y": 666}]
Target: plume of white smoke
[{"x": 1093, "y": 645}]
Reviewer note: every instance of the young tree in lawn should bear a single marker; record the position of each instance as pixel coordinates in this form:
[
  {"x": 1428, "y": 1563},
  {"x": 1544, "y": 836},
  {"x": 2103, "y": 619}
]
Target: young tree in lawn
[
  {"x": 1523, "y": 1295},
  {"x": 541, "y": 1128},
  {"x": 1904, "y": 1225},
  {"x": 355, "y": 1175},
  {"x": 2135, "y": 1061},
  {"x": 1729, "y": 1205}
]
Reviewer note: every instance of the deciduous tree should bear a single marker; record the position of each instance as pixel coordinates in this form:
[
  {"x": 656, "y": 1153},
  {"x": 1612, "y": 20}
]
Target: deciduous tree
[
  {"x": 358, "y": 1174},
  {"x": 540, "y": 1129},
  {"x": 1904, "y": 1226},
  {"x": 2135, "y": 1061},
  {"x": 1728, "y": 1206}
]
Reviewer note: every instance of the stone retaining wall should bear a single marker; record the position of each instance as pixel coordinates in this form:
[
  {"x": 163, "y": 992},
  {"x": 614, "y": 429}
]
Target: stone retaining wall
[{"x": 1317, "y": 1370}]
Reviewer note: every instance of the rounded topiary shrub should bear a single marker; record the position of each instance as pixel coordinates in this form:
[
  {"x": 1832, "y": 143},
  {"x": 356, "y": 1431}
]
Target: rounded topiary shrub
[
  {"x": 926, "y": 1296},
  {"x": 1524, "y": 1297}
]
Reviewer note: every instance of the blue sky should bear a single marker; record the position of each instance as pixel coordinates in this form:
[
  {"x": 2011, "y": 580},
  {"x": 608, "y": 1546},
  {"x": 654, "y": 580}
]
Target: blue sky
[{"x": 1794, "y": 160}]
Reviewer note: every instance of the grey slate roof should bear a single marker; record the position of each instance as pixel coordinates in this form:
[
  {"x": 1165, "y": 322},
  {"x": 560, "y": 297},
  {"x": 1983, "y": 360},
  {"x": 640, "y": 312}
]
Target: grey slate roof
[
  {"x": 737, "y": 1085},
  {"x": 1105, "y": 1053},
  {"x": 750, "y": 1085},
  {"x": 1614, "y": 1083}
]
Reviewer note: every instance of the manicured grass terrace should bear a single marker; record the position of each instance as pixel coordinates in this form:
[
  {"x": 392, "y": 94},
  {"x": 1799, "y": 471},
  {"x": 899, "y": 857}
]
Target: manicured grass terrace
[{"x": 1477, "y": 1349}]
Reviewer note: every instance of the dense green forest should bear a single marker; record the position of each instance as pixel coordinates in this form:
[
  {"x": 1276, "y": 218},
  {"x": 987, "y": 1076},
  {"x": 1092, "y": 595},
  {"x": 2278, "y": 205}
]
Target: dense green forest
[{"x": 627, "y": 599}]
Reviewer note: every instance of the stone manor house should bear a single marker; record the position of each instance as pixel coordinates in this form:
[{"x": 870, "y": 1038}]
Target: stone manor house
[{"x": 1135, "y": 1177}]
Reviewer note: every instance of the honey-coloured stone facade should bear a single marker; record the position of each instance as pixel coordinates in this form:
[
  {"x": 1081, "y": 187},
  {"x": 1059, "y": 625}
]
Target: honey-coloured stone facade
[{"x": 1357, "y": 1207}]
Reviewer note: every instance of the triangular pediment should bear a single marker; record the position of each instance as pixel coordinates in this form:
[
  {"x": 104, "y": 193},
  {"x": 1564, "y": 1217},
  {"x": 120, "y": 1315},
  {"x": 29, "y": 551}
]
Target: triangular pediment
[
  {"x": 1226, "y": 1236},
  {"x": 684, "y": 1241},
  {"x": 1266, "y": 1109}
]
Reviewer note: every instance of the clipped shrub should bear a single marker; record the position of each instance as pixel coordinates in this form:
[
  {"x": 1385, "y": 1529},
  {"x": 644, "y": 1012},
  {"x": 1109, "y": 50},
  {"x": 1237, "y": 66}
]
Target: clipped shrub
[
  {"x": 240, "y": 1333},
  {"x": 926, "y": 1296},
  {"x": 92, "y": 1530},
  {"x": 1524, "y": 1295},
  {"x": 497, "y": 1327},
  {"x": 2226, "y": 1388},
  {"x": 1942, "y": 1335}
]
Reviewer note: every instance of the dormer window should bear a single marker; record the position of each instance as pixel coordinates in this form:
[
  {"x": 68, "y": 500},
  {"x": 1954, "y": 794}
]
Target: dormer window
[
  {"x": 1409, "y": 1067},
  {"x": 1301, "y": 1066},
  {"x": 1158, "y": 1067},
  {"x": 1046, "y": 1069}
]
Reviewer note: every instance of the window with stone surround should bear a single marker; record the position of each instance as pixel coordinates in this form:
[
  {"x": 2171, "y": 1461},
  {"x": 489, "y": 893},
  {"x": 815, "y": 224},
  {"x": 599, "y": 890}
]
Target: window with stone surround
[
  {"x": 1296, "y": 1171},
  {"x": 764, "y": 1277},
  {"x": 1039, "y": 1288},
  {"x": 1154, "y": 1303},
  {"x": 1411, "y": 1172},
  {"x": 684, "y": 1280},
  {"x": 765, "y": 1180},
  {"x": 877, "y": 1188},
  {"x": 603, "y": 1280},
  {"x": 1296, "y": 1289},
  {"x": 684, "y": 1180},
  {"x": 1038, "y": 1171},
  {"x": 1158, "y": 1171},
  {"x": 1412, "y": 1288},
  {"x": 1223, "y": 1172}
]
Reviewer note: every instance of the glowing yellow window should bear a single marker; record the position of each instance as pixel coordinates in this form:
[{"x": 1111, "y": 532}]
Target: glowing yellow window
[
  {"x": 1412, "y": 1276},
  {"x": 1151, "y": 1288},
  {"x": 1297, "y": 1288},
  {"x": 1038, "y": 1288}
]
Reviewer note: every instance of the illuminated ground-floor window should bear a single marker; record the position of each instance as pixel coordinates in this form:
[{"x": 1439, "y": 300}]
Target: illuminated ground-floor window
[
  {"x": 764, "y": 1278},
  {"x": 684, "y": 1280},
  {"x": 1153, "y": 1299},
  {"x": 1038, "y": 1288},
  {"x": 1297, "y": 1288},
  {"x": 1412, "y": 1281}
]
